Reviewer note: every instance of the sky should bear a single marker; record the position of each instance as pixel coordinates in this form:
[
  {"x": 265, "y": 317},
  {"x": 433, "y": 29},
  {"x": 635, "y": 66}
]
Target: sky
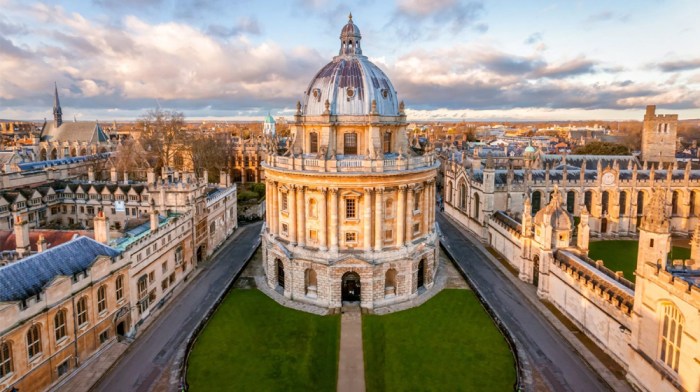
[{"x": 448, "y": 59}]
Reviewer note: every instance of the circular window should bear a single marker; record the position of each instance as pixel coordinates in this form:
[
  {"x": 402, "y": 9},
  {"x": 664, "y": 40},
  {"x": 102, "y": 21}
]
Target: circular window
[
  {"x": 351, "y": 92},
  {"x": 385, "y": 93}
]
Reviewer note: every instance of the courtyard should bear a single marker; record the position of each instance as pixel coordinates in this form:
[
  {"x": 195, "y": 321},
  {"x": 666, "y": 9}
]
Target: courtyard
[{"x": 621, "y": 255}]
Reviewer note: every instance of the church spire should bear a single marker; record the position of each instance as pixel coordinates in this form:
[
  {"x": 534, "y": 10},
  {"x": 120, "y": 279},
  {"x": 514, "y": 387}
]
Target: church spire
[{"x": 57, "y": 112}]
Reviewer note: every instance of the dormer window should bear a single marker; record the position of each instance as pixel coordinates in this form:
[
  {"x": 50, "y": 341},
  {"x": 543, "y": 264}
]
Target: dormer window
[
  {"x": 317, "y": 94},
  {"x": 350, "y": 143},
  {"x": 350, "y": 92},
  {"x": 385, "y": 93},
  {"x": 313, "y": 143}
]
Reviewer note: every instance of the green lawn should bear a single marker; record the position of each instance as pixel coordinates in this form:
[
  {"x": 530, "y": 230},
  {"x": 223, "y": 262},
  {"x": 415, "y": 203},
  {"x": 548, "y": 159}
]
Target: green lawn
[
  {"x": 254, "y": 344},
  {"x": 621, "y": 255},
  {"x": 448, "y": 344}
]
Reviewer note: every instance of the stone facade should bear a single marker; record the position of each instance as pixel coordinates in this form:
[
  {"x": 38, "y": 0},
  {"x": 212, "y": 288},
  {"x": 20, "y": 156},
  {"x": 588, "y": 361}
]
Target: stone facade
[
  {"x": 659, "y": 136},
  {"x": 351, "y": 206}
]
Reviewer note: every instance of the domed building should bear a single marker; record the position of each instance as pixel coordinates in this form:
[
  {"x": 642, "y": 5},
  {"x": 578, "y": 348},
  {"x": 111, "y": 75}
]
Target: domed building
[{"x": 351, "y": 203}]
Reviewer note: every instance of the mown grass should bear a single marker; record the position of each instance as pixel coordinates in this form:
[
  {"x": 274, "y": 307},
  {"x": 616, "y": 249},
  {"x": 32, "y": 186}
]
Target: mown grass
[
  {"x": 254, "y": 344},
  {"x": 449, "y": 343},
  {"x": 621, "y": 255}
]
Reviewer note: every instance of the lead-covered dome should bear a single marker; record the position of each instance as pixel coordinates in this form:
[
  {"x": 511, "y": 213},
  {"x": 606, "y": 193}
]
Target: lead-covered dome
[{"x": 350, "y": 83}]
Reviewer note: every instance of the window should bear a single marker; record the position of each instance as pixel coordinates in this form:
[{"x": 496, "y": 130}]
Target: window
[
  {"x": 674, "y": 203},
  {"x": 350, "y": 208},
  {"x": 82, "y": 311},
  {"x": 63, "y": 368},
  {"x": 119, "y": 287},
  {"x": 651, "y": 243},
  {"x": 416, "y": 228},
  {"x": 312, "y": 208},
  {"x": 104, "y": 336},
  {"x": 151, "y": 276},
  {"x": 178, "y": 255},
  {"x": 570, "y": 201},
  {"x": 101, "y": 299},
  {"x": 212, "y": 228},
  {"x": 164, "y": 284},
  {"x": 172, "y": 278},
  {"x": 623, "y": 203},
  {"x": 388, "y": 235},
  {"x": 416, "y": 200},
  {"x": 587, "y": 200},
  {"x": 605, "y": 201},
  {"x": 5, "y": 359},
  {"x": 536, "y": 201},
  {"x": 671, "y": 334},
  {"x": 313, "y": 143},
  {"x": 477, "y": 205},
  {"x": 350, "y": 143},
  {"x": 691, "y": 212},
  {"x": 285, "y": 229},
  {"x": 313, "y": 236},
  {"x": 351, "y": 237},
  {"x": 59, "y": 325},
  {"x": 388, "y": 208},
  {"x": 33, "y": 341},
  {"x": 640, "y": 203},
  {"x": 387, "y": 142},
  {"x": 284, "y": 201}
]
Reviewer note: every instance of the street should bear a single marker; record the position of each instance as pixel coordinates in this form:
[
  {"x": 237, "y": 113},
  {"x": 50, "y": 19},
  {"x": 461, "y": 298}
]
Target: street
[
  {"x": 558, "y": 365},
  {"x": 153, "y": 352}
]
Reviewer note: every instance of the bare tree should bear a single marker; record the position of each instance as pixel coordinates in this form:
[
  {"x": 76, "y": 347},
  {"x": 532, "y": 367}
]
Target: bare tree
[{"x": 162, "y": 136}]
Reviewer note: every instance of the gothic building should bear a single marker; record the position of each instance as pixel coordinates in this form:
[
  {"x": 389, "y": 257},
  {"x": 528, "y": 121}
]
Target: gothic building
[{"x": 350, "y": 212}]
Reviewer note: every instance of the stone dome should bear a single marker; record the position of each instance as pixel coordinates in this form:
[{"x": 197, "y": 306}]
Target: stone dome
[
  {"x": 559, "y": 218},
  {"x": 349, "y": 84}
]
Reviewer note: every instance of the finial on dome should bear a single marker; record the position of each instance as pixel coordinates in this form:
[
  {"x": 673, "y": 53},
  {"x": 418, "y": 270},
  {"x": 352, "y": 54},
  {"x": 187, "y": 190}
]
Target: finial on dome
[{"x": 350, "y": 16}]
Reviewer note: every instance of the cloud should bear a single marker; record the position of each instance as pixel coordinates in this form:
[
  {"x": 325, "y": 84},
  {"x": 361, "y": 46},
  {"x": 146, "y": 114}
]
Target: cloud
[
  {"x": 414, "y": 19},
  {"x": 131, "y": 4},
  {"x": 577, "y": 66},
  {"x": 244, "y": 25},
  {"x": 679, "y": 65},
  {"x": 606, "y": 16},
  {"x": 533, "y": 38}
]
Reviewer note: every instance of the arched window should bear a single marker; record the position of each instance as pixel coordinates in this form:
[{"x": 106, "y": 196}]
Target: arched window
[
  {"x": 416, "y": 200},
  {"x": 33, "y": 341},
  {"x": 101, "y": 299},
  {"x": 350, "y": 143},
  {"x": 73, "y": 152},
  {"x": 462, "y": 196},
  {"x": 43, "y": 155},
  {"x": 693, "y": 199},
  {"x": 623, "y": 203},
  {"x": 5, "y": 359},
  {"x": 640, "y": 203},
  {"x": 420, "y": 279},
  {"x": 59, "y": 325},
  {"x": 280, "y": 273},
  {"x": 119, "y": 287},
  {"x": 82, "y": 311},
  {"x": 536, "y": 201},
  {"x": 313, "y": 143},
  {"x": 310, "y": 283},
  {"x": 313, "y": 210},
  {"x": 570, "y": 201},
  {"x": 387, "y": 142},
  {"x": 674, "y": 203},
  {"x": 671, "y": 333},
  {"x": 390, "y": 283},
  {"x": 477, "y": 205},
  {"x": 83, "y": 152},
  {"x": 588, "y": 200},
  {"x": 605, "y": 202}
]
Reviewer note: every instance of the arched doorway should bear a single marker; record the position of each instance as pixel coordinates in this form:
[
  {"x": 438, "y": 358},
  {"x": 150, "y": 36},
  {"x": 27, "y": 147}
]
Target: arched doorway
[
  {"x": 603, "y": 225},
  {"x": 536, "y": 271},
  {"x": 420, "y": 280},
  {"x": 280, "y": 273},
  {"x": 200, "y": 254},
  {"x": 121, "y": 329},
  {"x": 350, "y": 287}
]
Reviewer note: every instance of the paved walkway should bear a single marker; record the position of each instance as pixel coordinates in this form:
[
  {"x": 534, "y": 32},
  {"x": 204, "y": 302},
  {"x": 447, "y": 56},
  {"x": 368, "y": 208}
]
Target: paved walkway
[
  {"x": 91, "y": 370},
  {"x": 351, "y": 365}
]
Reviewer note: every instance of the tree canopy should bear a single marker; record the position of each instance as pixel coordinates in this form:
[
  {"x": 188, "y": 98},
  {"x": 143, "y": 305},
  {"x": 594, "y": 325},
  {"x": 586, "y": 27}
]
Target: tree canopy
[{"x": 601, "y": 148}]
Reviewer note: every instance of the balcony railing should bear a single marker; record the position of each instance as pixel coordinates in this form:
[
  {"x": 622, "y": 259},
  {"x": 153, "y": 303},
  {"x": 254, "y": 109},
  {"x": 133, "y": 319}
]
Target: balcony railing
[{"x": 354, "y": 164}]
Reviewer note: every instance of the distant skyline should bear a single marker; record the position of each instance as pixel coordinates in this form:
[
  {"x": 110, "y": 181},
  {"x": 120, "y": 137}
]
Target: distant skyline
[{"x": 448, "y": 59}]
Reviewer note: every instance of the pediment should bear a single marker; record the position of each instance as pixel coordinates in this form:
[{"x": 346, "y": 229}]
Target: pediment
[{"x": 351, "y": 261}]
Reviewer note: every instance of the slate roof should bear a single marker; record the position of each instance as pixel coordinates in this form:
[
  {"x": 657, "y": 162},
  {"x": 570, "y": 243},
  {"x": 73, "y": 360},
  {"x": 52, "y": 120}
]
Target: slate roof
[
  {"x": 28, "y": 277},
  {"x": 8, "y": 240},
  {"x": 81, "y": 131}
]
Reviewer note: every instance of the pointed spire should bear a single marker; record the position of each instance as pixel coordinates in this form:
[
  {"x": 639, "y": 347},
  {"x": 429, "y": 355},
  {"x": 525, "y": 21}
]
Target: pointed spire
[
  {"x": 654, "y": 218},
  {"x": 57, "y": 112},
  {"x": 350, "y": 17}
]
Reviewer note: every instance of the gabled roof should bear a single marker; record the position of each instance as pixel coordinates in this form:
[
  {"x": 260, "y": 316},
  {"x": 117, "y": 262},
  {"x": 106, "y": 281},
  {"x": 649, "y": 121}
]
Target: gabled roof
[
  {"x": 81, "y": 131},
  {"x": 28, "y": 277}
]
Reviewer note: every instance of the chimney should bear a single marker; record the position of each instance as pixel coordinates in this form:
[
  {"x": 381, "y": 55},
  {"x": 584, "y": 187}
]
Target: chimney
[
  {"x": 151, "y": 176},
  {"x": 101, "y": 226},
  {"x": 22, "y": 236},
  {"x": 113, "y": 175},
  {"x": 91, "y": 174},
  {"x": 224, "y": 181},
  {"x": 41, "y": 245},
  {"x": 154, "y": 220}
]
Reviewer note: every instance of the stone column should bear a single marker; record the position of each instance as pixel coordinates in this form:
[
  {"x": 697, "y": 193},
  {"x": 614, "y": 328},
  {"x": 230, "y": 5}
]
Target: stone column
[
  {"x": 274, "y": 214},
  {"x": 367, "y": 219},
  {"x": 292, "y": 206},
  {"x": 426, "y": 207},
  {"x": 401, "y": 215},
  {"x": 409, "y": 214},
  {"x": 277, "y": 210},
  {"x": 301, "y": 216},
  {"x": 334, "y": 219},
  {"x": 378, "y": 219},
  {"x": 268, "y": 204},
  {"x": 322, "y": 226}
]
